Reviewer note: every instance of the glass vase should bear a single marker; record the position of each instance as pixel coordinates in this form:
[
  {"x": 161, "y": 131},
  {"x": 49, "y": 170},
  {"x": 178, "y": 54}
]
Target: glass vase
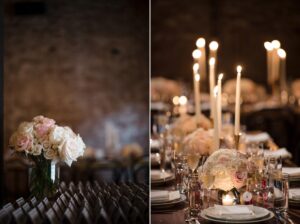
[{"x": 43, "y": 178}]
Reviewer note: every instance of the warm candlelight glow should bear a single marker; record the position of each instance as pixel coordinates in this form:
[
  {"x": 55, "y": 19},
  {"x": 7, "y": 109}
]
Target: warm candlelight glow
[
  {"x": 268, "y": 45},
  {"x": 182, "y": 100},
  {"x": 237, "y": 101},
  {"x": 212, "y": 61},
  {"x": 281, "y": 53},
  {"x": 175, "y": 100},
  {"x": 196, "y": 54},
  {"x": 275, "y": 44},
  {"x": 196, "y": 67},
  {"x": 220, "y": 77},
  {"x": 213, "y": 45},
  {"x": 227, "y": 199},
  {"x": 200, "y": 42},
  {"x": 239, "y": 69},
  {"x": 197, "y": 77},
  {"x": 215, "y": 119},
  {"x": 216, "y": 89}
]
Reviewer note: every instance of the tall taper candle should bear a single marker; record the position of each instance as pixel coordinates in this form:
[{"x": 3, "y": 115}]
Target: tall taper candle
[
  {"x": 196, "y": 78},
  {"x": 275, "y": 60},
  {"x": 216, "y": 128},
  {"x": 200, "y": 43},
  {"x": 211, "y": 84},
  {"x": 237, "y": 101},
  {"x": 213, "y": 48},
  {"x": 282, "y": 55},
  {"x": 196, "y": 55},
  {"x": 269, "y": 49},
  {"x": 219, "y": 104}
]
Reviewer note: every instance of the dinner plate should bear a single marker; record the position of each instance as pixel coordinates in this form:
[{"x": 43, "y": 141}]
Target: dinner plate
[
  {"x": 168, "y": 177},
  {"x": 169, "y": 204},
  {"x": 269, "y": 217},
  {"x": 258, "y": 213}
]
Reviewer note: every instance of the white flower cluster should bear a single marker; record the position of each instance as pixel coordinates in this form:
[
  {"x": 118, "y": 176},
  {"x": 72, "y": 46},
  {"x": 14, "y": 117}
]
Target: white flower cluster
[
  {"x": 224, "y": 169},
  {"x": 42, "y": 137},
  {"x": 199, "y": 142}
]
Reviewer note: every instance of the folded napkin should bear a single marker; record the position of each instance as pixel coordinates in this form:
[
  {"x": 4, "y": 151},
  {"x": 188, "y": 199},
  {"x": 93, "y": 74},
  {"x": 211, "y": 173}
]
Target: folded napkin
[
  {"x": 282, "y": 152},
  {"x": 291, "y": 171},
  {"x": 235, "y": 210},
  {"x": 154, "y": 143},
  {"x": 260, "y": 137},
  {"x": 294, "y": 193},
  {"x": 162, "y": 196},
  {"x": 278, "y": 193},
  {"x": 158, "y": 175}
]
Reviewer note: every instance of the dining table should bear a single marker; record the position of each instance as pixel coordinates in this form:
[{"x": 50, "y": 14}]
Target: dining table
[{"x": 178, "y": 214}]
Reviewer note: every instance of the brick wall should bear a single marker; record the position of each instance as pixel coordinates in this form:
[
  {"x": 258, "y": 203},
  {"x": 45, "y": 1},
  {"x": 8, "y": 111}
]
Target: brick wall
[{"x": 82, "y": 63}]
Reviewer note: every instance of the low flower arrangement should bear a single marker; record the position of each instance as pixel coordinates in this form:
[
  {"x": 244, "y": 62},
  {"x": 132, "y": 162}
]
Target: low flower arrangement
[
  {"x": 199, "y": 142},
  {"x": 225, "y": 170},
  {"x": 45, "y": 143}
]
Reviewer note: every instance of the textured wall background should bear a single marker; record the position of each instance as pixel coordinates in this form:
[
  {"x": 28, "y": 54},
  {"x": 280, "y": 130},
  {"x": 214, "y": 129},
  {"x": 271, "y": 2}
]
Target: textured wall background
[
  {"x": 241, "y": 27},
  {"x": 82, "y": 63}
]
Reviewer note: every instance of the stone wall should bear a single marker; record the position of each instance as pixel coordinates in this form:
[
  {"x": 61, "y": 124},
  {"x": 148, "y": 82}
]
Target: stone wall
[
  {"x": 82, "y": 63},
  {"x": 241, "y": 27}
]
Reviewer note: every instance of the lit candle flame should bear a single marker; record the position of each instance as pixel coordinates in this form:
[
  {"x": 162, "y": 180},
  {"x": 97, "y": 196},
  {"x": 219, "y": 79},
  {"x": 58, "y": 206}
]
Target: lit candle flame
[
  {"x": 175, "y": 100},
  {"x": 200, "y": 42},
  {"x": 281, "y": 53},
  {"x": 213, "y": 45},
  {"x": 196, "y": 67},
  {"x": 276, "y": 44},
  {"x": 212, "y": 61},
  {"x": 197, "y": 77},
  {"x": 268, "y": 45},
  {"x": 239, "y": 69},
  {"x": 220, "y": 77},
  {"x": 216, "y": 90},
  {"x": 196, "y": 54},
  {"x": 182, "y": 100}
]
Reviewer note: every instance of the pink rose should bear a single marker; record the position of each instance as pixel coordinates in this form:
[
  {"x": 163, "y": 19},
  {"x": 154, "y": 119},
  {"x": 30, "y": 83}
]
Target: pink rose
[
  {"x": 239, "y": 178},
  {"x": 23, "y": 142},
  {"x": 42, "y": 126}
]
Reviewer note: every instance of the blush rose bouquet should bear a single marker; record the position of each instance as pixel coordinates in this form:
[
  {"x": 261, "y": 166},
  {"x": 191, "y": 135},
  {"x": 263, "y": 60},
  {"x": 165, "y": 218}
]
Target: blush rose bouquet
[{"x": 45, "y": 143}]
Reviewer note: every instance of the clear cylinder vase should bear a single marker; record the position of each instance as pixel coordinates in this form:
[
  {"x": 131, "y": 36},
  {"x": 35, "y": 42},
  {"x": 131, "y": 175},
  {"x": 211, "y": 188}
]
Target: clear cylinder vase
[{"x": 43, "y": 178}]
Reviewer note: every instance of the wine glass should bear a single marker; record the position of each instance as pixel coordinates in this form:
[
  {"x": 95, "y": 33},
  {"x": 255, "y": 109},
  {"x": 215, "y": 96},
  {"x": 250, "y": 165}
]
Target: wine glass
[{"x": 193, "y": 161}]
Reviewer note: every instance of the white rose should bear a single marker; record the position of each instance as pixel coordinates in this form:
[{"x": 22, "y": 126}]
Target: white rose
[
  {"x": 36, "y": 150},
  {"x": 51, "y": 154},
  {"x": 68, "y": 132},
  {"x": 57, "y": 135},
  {"x": 26, "y": 127},
  {"x": 81, "y": 145},
  {"x": 68, "y": 151},
  {"x": 46, "y": 145}
]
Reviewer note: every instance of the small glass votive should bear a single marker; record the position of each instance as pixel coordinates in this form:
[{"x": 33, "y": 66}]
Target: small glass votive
[{"x": 281, "y": 192}]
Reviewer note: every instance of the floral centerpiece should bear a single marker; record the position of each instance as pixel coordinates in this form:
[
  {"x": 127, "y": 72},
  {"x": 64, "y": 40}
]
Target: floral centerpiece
[
  {"x": 225, "y": 170},
  {"x": 250, "y": 91},
  {"x": 197, "y": 144},
  {"x": 45, "y": 144},
  {"x": 187, "y": 124},
  {"x": 163, "y": 89}
]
